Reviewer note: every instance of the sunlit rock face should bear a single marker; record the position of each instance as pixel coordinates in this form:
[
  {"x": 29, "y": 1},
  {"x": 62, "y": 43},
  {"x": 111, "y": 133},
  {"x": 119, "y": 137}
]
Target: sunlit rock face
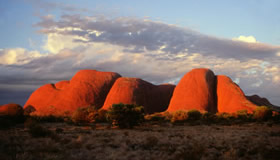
[
  {"x": 196, "y": 90},
  {"x": 11, "y": 110},
  {"x": 199, "y": 89},
  {"x": 87, "y": 87},
  {"x": 230, "y": 96},
  {"x": 137, "y": 91}
]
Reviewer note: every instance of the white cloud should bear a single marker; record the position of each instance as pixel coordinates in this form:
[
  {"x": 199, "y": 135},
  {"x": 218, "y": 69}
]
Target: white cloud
[
  {"x": 17, "y": 56},
  {"x": 57, "y": 42},
  {"x": 247, "y": 39}
]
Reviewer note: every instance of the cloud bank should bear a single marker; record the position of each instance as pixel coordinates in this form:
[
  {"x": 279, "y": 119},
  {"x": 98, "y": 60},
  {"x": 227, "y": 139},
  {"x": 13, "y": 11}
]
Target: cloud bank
[{"x": 134, "y": 47}]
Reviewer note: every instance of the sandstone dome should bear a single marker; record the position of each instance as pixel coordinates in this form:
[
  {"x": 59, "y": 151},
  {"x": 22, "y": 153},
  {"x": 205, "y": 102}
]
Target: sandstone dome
[
  {"x": 196, "y": 90},
  {"x": 87, "y": 87}
]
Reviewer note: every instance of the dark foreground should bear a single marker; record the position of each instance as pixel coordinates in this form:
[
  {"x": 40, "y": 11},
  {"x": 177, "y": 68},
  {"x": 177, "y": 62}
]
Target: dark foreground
[{"x": 164, "y": 141}]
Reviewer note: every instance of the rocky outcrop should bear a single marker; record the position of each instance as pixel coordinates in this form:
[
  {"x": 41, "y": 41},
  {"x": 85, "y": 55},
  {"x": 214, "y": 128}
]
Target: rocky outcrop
[
  {"x": 137, "y": 91},
  {"x": 196, "y": 90},
  {"x": 230, "y": 97},
  {"x": 199, "y": 89},
  {"x": 87, "y": 87},
  {"x": 12, "y": 110},
  {"x": 261, "y": 101}
]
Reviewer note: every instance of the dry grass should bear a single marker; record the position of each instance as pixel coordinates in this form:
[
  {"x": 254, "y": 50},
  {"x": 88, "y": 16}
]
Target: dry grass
[{"x": 164, "y": 141}]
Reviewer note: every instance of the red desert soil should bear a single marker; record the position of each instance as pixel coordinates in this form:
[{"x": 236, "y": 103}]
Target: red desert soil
[
  {"x": 196, "y": 90},
  {"x": 11, "y": 110},
  {"x": 137, "y": 91},
  {"x": 230, "y": 97},
  {"x": 87, "y": 87}
]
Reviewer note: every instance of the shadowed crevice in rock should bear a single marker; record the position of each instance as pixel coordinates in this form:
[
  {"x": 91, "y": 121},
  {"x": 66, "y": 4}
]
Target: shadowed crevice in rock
[{"x": 215, "y": 96}]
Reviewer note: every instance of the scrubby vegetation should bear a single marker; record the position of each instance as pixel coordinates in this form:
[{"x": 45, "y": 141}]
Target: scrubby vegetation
[
  {"x": 262, "y": 113},
  {"x": 194, "y": 115},
  {"x": 35, "y": 129},
  {"x": 89, "y": 114},
  {"x": 72, "y": 142},
  {"x": 125, "y": 115},
  {"x": 179, "y": 116},
  {"x": 179, "y": 135}
]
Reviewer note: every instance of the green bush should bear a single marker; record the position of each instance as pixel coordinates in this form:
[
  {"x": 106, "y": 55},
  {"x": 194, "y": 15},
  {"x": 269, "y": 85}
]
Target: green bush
[
  {"x": 262, "y": 113},
  {"x": 125, "y": 115},
  {"x": 194, "y": 115},
  {"x": 179, "y": 116}
]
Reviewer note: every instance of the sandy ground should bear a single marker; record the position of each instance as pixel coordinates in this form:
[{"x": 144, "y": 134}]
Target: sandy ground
[{"x": 164, "y": 141}]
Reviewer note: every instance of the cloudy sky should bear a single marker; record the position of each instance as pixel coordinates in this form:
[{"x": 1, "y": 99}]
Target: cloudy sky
[{"x": 157, "y": 40}]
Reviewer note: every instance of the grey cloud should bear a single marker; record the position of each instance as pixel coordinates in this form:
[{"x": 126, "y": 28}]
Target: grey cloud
[{"x": 139, "y": 35}]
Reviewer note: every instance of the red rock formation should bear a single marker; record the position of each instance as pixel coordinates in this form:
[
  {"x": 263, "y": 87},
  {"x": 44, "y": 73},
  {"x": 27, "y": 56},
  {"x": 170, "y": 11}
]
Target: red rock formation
[
  {"x": 137, "y": 91},
  {"x": 11, "y": 110},
  {"x": 196, "y": 90},
  {"x": 87, "y": 87},
  {"x": 257, "y": 100},
  {"x": 230, "y": 97}
]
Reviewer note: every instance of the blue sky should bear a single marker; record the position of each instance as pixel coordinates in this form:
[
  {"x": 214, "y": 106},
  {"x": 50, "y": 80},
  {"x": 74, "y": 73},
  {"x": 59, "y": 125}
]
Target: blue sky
[{"x": 182, "y": 34}]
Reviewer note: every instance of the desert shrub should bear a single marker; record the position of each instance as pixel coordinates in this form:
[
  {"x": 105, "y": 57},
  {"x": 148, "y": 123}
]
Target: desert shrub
[
  {"x": 167, "y": 115},
  {"x": 243, "y": 115},
  {"x": 224, "y": 118},
  {"x": 35, "y": 129},
  {"x": 155, "y": 117},
  {"x": 80, "y": 115},
  {"x": 192, "y": 151},
  {"x": 262, "y": 113},
  {"x": 125, "y": 115},
  {"x": 194, "y": 115},
  {"x": 209, "y": 117},
  {"x": 89, "y": 114},
  {"x": 276, "y": 116},
  {"x": 84, "y": 114},
  {"x": 47, "y": 119},
  {"x": 179, "y": 116},
  {"x": 100, "y": 116}
]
